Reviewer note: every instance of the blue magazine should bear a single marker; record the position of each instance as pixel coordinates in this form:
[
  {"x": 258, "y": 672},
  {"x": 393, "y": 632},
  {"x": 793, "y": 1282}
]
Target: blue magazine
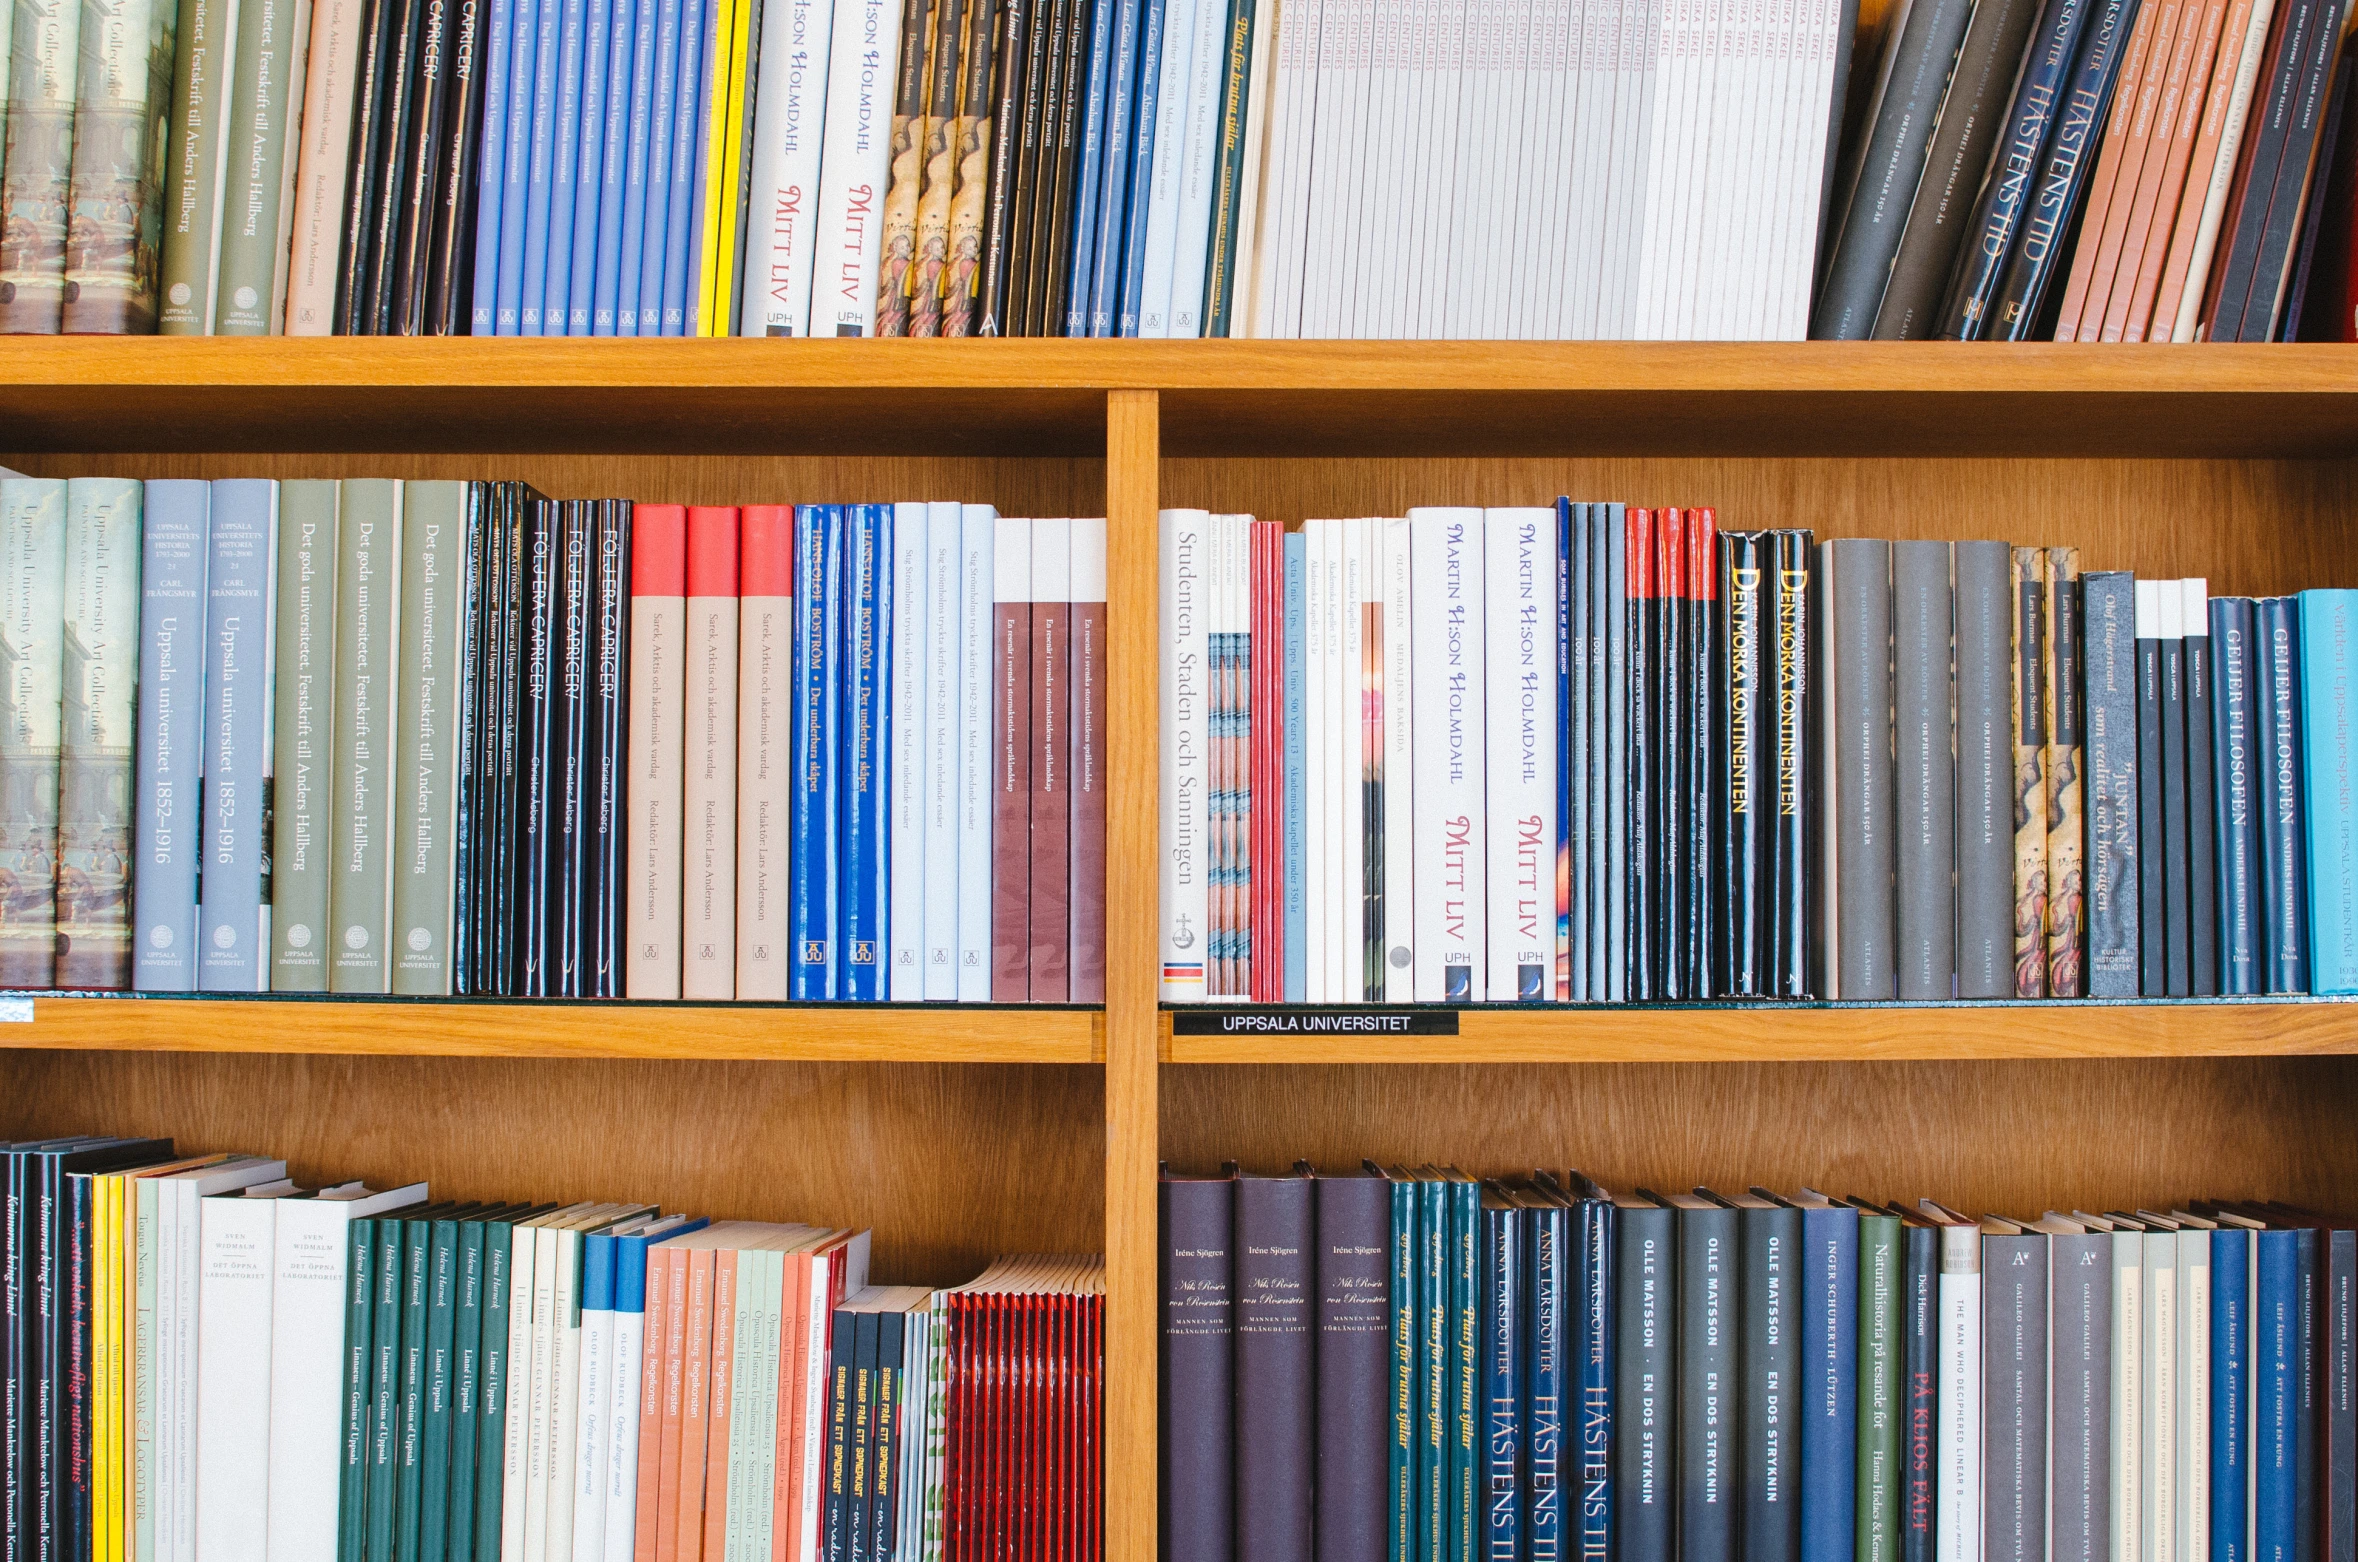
[
  {"x": 1121, "y": 97},
  {"x": 2283, "y": 842},
  {"x": 655, "y": 246},
  {"x": 2329, "y": 672},
  {"x": 1132, "y": 259},
  {"x": 615, "y": 169},
  {"x": 589, "y": 168},
  {"x": 687, "y": 152},
  {"x": 860, "y": 922},
  {"x": 490, "y": 164},
  {"x": 540, "y": 163},
  {"x": 516, "y": 177},
  {"x": 2231, "y": 1346},
  {"x": 818, "y": 576},
  {"x": 1088, "y": 164},
  {"x": 564, "y": 169}
]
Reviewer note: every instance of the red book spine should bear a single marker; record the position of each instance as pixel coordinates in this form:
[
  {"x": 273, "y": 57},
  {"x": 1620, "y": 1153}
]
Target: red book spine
[
  {"x": 1052, "y": 705},
  {"x": 1088, "y": 773},
  {"x": 1011, "y": 806}
]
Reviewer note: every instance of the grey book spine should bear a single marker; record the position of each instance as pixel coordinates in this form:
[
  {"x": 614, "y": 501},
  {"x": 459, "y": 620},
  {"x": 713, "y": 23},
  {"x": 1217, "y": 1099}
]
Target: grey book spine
[
  {"x": 367, "y": 698},
  {"x": 1770, "y": 1448},
  {"x": 1926, "y": 769},
  {"x": 1616, "y": 702},
  {"x": 1354, "y": 1363},
  {"x": 2079, "y": 1398},
  {"x": 1645, "y": 1279},
  {"x": 1276, "y": 1397},
  {"x": 173, "y": 550},
  {"x": 1859, "y": 583},
  {"x": 265, "y": 107},
  {"x": 233, "y": 893},
  {"x": 433, "y": 552},
  {"x": 2014, "y": 1397},
  {"x": 1198, "y": 1345},
  {"x": 2153, "y": 974},
  {"x": 99, "y": 692},
  {"x": 1895, "y": 147},
  {"x": 2176, "y": 841},
  {"x": 2108, "y": 607},
  {"x": 2202, "y": 820},
  {"x": 305, "y": 727},
  {"x": 1707, "y": 1384},
  {"x": 195, "y": 153},
  {"x": 1985, "y": 772}
]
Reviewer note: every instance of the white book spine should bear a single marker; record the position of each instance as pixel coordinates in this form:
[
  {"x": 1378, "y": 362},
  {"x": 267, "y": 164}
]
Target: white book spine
[
  {"x": 1336, "y": 739},
  {"x": 2194, "y": 1389},
  {"x": 1317, "y": 759},
  {"x": 514, "y": 1471},
  {"x": 1351, "y": 739},
  {"x": 765, "y": 759},
  {"x": 864, "y": 51},
  {"x": 592, "y": 1424},
  {"x": 234, "y": 1286},
  {"x": 1399, "y": 767},
  {"x": 1445, "y": 547},
  {"x": 308, "y": 1303},
  {"x": 162, "y": 1372},
  {"x": 540, "y": 1403},
  {"x": 656, "y": 792},
  {"x": 622, "y": 1436},
  {"x": 1520, "y": 659},
  {"x": 708, "y": 955},
  {"x": 322, "y": 166},
  {"x": 814, "y": 1400},
  {"x": 781, "y": 212},
  {"x": 2128, "y": 1400},
  {"x": 2161, "y": 1397},
  {"x": 977, "y": 529},
  {"x": 1957, "y": 1476},
  {"x": 944, "y": 674},
  {"x": 1170, "y": 156},
  {"x": 1199, "y": 167},
  {"x": 1187, "y": 589},
  {"x": 905, "y": 922}
]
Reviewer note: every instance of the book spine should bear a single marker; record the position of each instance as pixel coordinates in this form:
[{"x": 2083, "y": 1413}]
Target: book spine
[
  {"x": 1549, "y": 1370},
  {"x": 2325, "y": 683},
  {"x": 1673, "y": 709},
  {"x": 2030, "y": 772},
  {"x": 1574, "y": 641},
  {"x": 1864, "y": 817},
  {"x": 1640, "y": 768},
  {"x": 1295, "y": 835},
  {"x": 1768, "y": 1451},
  {"x": 2202, "y": 820},
  {"x": 2080, "y": 1431},
  {"x": 98, "y": 695},
  {"x": 303, "y": 726},
  {"x": 945, "y": 669},
  {"x": 2177, "y": 952},
  {"x": 1014, "y": 750},
  {"x": 2066, "y": 684},
  {"x": 1504, "y": 1327},
  {"x": 1519, "y": 595},
  {"x": 1591, "y": 1336},
  {"x": 234, "y": 898},
  {"x": 174, "y": 550},
  {"x": 266, "y": 68},
  {"x": 765, "y": 704},
  {"x": 1089, "y": 630},
  {"x": 1926, "y": 801},
  {"x": 540, "y": 747},
  {"x": 1920, "y": 1396},
  {"x": 708, "y": 949},
  {"x": 2108, "y": 616},
  {"x": 849, "y": 234},
  {"x": 977, "y": 747},
  {"x": 903, "y": 977},
  {"x": 573, "y": 751},
  {"x": 1827, "y": 1396},
  {"x": 433, "y": 543},
  {"x": 795, "y": 54},
  {"x": 1792, "y": 916},
  {"x": 2236, "y": 760},
  {"x": 1959, "y": 1483},
  {"x": 1646, "y": 1495},
  {"x": 606, "y": 792},
  {"x": 2015, "y": 1392},
  {"x": 204, "y": 48},
  {"x": 435, "y": 1400},
  {"x": 1451, "y": 822},
  {"x": 657, "y": 789},
  {"x": 2230, "y": 1393},
  {"x": 1707, "y": 1376},
  {"x": 2282, "y": 857},
  {"x": 1745, "y": 591},
  {"x": 233, "y": 1329},
  {"x": 811, "y": 852},
  {"x": 366, "y": 700},
  {"x": 1048, "y": 951},
  {"x": 1985, "y": 772},
  {"x": 862, "y": 922},
  {"x": 33, "y": 513},
  {"x": 1353, "y": 1226},
  {"x": 2276, "y": 1451},
  {"x": 1877, "y": 1475},
  {"x": 578, "y": 280},
  {"x": 1197, "y": 1338}
]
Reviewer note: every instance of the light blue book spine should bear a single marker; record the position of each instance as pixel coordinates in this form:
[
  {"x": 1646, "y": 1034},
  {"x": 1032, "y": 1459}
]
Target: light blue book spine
[
  {"x": 1139, "y": 216},
  {"x": 639, "y": 167},
  {"x": 565, "y": 167},
  {"x": 1297, "y": 771},
  {"x": 590, "y": 163},
  {"x": 708, "y": 82},
  {"x": 2329, "y": 681},
  {"x": 2275, "y": 1448},
  {"x": 2231, "y": 1389},
  {"x": 687, "y": 155},
  {"x": 233, "y": 902},
  {"x": 491, "y": 163},
  {"x": 1616, "y": 546},
  {"x": 540, "y": 162},
  {"x": 172, "y": 557},
  {"x": 818, "y": 577},
  {"x": 614, "y": 165},
  {"x": 1125, "y": 129},
  {"x": 867, "y": 555},
  {"x": 1088, "y": 170},
  {"x": 515, "y": 203}
]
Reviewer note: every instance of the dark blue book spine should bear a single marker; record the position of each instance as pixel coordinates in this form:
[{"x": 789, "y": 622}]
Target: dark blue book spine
[
  {"x": 1089, "y": 158},
  {"x": 2275, "y": 107},
  {"x": 1593, "y": 1298},
  {"x": 1276, "y": 1368},
  {"x": 1645, "y": 1304},
  {"x": 543, "y": 738},
  {"x": 1770, "y": 1364},
  {"x": 1503, "y": 1325},
  {"x": 1432, "y": 1379},
  {"x": 1462, "y": 1351},
  {"x": 860, "y": 753},
  {"x": 1547, "y": 1311},
  {"x": 680, "y": 231},
  {"x": 1571, "y": 752},
  {"x": 1121, "y": 101},
  {"x": 2153, "y": 974},
  {"x": 661, "y": 110},
  {"x": 2235, "y": 795},
  {"x": 2108, "y": 616},
  {"x": 818, "y": 569},
  {"x": 1354, "y": 1351},
  {"x": 1131, "y": 250},
  {"x": 1710, "y": 1369},
  {"x": 1601, "y": 591},
  {"x": 1829, "y": 1383},
  {"x": 491, "y": 161},
  {"x": 1613, "y": 782},
  {"x": 2283, "y": 855},
  {"x": 2231, "y": 1389},
  {"x": 2275, "y": 1450},
  {"x": 1990, "y": 233}
]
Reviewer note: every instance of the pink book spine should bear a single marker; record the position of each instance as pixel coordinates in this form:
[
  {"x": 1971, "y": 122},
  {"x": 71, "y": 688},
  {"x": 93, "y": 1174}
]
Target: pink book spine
[
  {"x": 658, "y": 733},
  {"x": 1052, "y": 757},
  {"x": 1089, "y": 754},
  {"x": 675, "y": 1371},
  {"x": 794, "y": 1321}
]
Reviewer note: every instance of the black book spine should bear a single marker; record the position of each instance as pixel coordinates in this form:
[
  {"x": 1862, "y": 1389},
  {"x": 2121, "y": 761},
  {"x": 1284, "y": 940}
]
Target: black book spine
[
  {"x": 1354, "y": 1360},
  {"x": 72, "y": 1482},
  {"x": 45, "y": 1510},
  {"x": 422, "y": 165},
  {"x": 1673, "y": 790},
  {"x": 1043, "y": 99},
  {"x": 1707, "y": 1384},
  {"x": 2178, "y": 952},
  {"x": 1920, "y": 1362},
  {"x": 500, "y": 750},
  {"x": 467, "y": 726},
  {"x": 15, "y": 1249},
  {"x": 2308, "y": 1385},
  {"x": 1504, "y": 1327},
  {"x": 1548, "y": 1311},
  {"x": 2272, "y": 270},
  {"x": 539, "y": 754},
  {"x": 2338, "y": 1423},
  {"x": 450, "y": 251},
  {"x": 2283, "y": 840},
  {"x": 378, "y": 19},
  {"x": 611, "y": 720},
  {"x": 1275, "y": 1363},
  {"x": 2153, "y": 978},
  {"x": 1643, "y": 872},
  {"x": 1745, "y": 805},
  {"x": 2275, "y": 110},
  {"x": 2326, "y": 180},
  {"x": 1014, "y": 28},
  {"x": 1771, "y": 1355},
  {"x": 1057, "y": 279},
  {"x": 1645, "y": 1301},
  {"x": 2108, "y": 622},
  {"x": 387, "y": 258},
  {"x": 884, "y": 1442},
  {"x": 835, "y": 1515},
  {"x": 1594, "y": 1296},
  {"x": 570, "y": 831},
  {"x": 1792, "y": 914}
]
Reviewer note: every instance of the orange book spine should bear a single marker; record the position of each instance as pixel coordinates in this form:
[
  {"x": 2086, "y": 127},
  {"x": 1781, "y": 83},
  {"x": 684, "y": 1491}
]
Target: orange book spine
[
  {"x": 2218, "y": 107},
  {"x": 2178, "y": 73},
  {"x": 794, "y": 1321},
  {"x": 2202, "y": 115},
  {"x": 2141, "y": 111},
  {"x": 686, "y": 1517},
  {"x": 2100, "y": 189},
  {"x": 720, "y": 1402},
  {"x": 651, "y": 1359},
  {"x": 675, "y": 1363}
]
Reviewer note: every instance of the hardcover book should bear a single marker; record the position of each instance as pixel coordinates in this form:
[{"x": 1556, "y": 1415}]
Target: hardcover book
[
  {"x": 174, "y": 551},
  {"x": 367, "y": 700},
  {"x": 99, "y": 696},
  {"x": 303, "y": 733},
  {"x": 1985, "y": 771},
  {"x": 234, "y": 899},
  {"x": 2108, "y": 600},
  {"x": 765, "y": 748},
  {"x": 708, "y": 950},
  {"x": 33, "y": 533},
  {"x": 658, "y": 727},
  {"x": 437, "y": 520}
]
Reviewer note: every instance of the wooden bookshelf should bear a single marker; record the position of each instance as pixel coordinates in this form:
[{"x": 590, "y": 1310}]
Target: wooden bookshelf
[{"x": 960, "y": 1133}]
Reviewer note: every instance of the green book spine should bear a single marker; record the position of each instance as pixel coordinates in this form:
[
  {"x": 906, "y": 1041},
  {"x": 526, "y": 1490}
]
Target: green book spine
[
  {"x": 193, "y": 165},
  {"x": 359, "y": 1346},
  {"x": 434, "y": 1441},
  {"x": 1878, "y": 1498},
  {"x": 32, "y": 620},
  {"x": 302, "y": 733},
  {"x": 491, "y": 1433},
  {"x": 37, "y": 187},
  {"x": 99, "y": 693},
  {"x": 1401, "y": 1456},
  {"x": 1432, "y": 1323},
  {"x": 144, "y": 1258},
  {"x": 434, "y": 549},
  {"x": 744, "y": 1399},
  {"x": 1465, "y": 1376},
  {"x": 466, "y": 1393},
  {"x": 115, "y": 231},
  {"x": 368, "y": 567},
  {"x": 416, "y": 1243},
  {"x": 1221, "y": 282},
  {"x": 384, "y": 1391},
  {"x": 258, "y": 178}
]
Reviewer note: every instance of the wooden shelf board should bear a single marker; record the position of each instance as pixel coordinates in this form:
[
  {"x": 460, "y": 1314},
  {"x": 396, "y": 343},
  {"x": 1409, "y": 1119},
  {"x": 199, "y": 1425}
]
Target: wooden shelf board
[
  {"x": 425, "y": 1027},
  {"x": 461, "y": 394},
  {"x": 1759, "y": 1033}
]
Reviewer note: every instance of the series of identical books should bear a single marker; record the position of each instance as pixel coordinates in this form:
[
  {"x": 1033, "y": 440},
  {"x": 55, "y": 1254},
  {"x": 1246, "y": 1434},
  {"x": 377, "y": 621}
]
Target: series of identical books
[
  {"x": 454, "y": 737},
  {"x": 208, "y": 1362},
  {"x": 1604, "y": 754},
  {"x": 1414, "y": 1364},
  {"x": 2182, "y": 168}
]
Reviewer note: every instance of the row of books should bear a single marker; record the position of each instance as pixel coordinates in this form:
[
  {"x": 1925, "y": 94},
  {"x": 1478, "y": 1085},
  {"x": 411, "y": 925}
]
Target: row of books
[
  {"x": 208, "y": 1362},
  {"x": 1414, "y": 1363},
  {"x": 2100, "y": 170},
  {"x": 454, "y": 737},
  {"x": 1605, "y": 754}
]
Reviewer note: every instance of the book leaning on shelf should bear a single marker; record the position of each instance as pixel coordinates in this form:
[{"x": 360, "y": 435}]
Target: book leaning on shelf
[{"x": 1604, "y": 754}]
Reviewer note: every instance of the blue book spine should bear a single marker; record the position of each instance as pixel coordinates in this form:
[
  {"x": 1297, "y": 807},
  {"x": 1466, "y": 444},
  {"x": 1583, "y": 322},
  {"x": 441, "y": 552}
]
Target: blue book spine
[
  {"x": 233, "y": 914},
  {"x": 589, "y": 169},
  {"x": 1503, "y": 1325},
  {"x": 614, "y": 168},
  {"x": 818, "y": 571},
  {"x": 491, "y": 164},
  {"x": 2276, "y": 1349},
  {"x": 655, "y": 231},
  {"x": 1131, "y": 260},
  {"x": 597, "y": 1273},
  {"x": 1571, "y": 758},
  {"x": 859, "y": 923},
  {"x": 1297, "y": 772},
  {"x": 687, "y": 155},
  {"x": 2231, "y": 1336},
  {"x": 516, "y": 178},
  {"x": 564, "y": 168},
  {"x": 1121, "y": 135},
  {"x": 711, "y": 82},
  {"x": 173, "y": 551},
  {"x": 2234, "y": 795},
  {"x": 1829, "y": 1383},
  {"x": 1616, "y": 604},
  {"x": 1089, "y": 167},
  {"x": 1594, "y": 1284},
  {"x": 1546, "y": 1267},
  {"x": 540, "y": 163},
  {"x": 632, "y": 210},
  {"x": 2329, "y": 672},
  {"x": 2276, "y": 643}
]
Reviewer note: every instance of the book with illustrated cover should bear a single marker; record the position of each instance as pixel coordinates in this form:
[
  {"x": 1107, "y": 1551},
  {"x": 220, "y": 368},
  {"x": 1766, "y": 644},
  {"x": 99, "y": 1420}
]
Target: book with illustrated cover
[
  {"x": 2031, "y": 782},
  {"x": 33, "y": 535},
  {"x": 114, "y": 230},
  {"x": 99, "y": 699}
]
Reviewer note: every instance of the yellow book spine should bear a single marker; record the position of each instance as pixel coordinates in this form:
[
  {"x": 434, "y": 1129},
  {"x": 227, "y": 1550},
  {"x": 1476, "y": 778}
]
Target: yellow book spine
[
  {"x": 715, "y": 90},
  {"x": 721, "y": 318},
  {"x": 126, "y": 1331},
  {"x": 101, "y": 1314}
]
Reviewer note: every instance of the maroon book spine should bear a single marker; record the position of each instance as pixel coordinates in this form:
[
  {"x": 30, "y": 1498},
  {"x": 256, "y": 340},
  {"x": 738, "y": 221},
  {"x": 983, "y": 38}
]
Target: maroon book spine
[
  {"x": 1088, "y": 772},
  {"x": 1011, "y": 804},
  {"x": 1052, "y": 756}
]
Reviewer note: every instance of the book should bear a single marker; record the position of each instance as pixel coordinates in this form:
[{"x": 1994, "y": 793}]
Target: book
[
  {"x": 303, "y": 728},
  {"x": 2032, "y": 784},
  {"x": 2325, "y": 672},
  {"x": 2202, "y": 833},
  {"x": 1985, "y": 770},
  {"x": 1930, "y": 881},
  {"x": 765, "y": 747},
  {"x": 366, "y": 703},
  {"x": 234, "y": 899},
  {"x": 2276, "y": 714},
  {"x": 2065, "y": 694},
  {"x": 34, "y": 531},
  {"x": 1859, "y": 928},
  {"x": 2115, "y": 938},
  {"x": 1014, "y": 749},
  {"x": 1048, "y": 949},
  {"x": 438, "y": 517},
  {"x": 862, "y": 928},
  {"x": 813, "y": 811},
  {"x": 1518, "y": 594},
  {"x": 708, "y": 940},
  {"x": 1450, "y": 867},
  {"x": 658, "y": 777},
  {"x": 258, "y": 180},
  {"x": 99, "y": 712}
]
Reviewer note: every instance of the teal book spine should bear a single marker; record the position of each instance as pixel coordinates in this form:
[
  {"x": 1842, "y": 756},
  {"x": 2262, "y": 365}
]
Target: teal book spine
[
  {"x": 434, "y": 1437},
  {"x": 416, "y": 1243},
  {"x": 1432, "y": 1324},
  {"x": 1401, "y": 1451},
  {"x": 491, "y": 1427},
  {"x": 352, "y": 1486},
  {"x": 2329, "y": 681},
  {"x": 466, "y": 1390},
  {"x": 384, "y": 1390},
  {"x": 1465, "y": 1372}
]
